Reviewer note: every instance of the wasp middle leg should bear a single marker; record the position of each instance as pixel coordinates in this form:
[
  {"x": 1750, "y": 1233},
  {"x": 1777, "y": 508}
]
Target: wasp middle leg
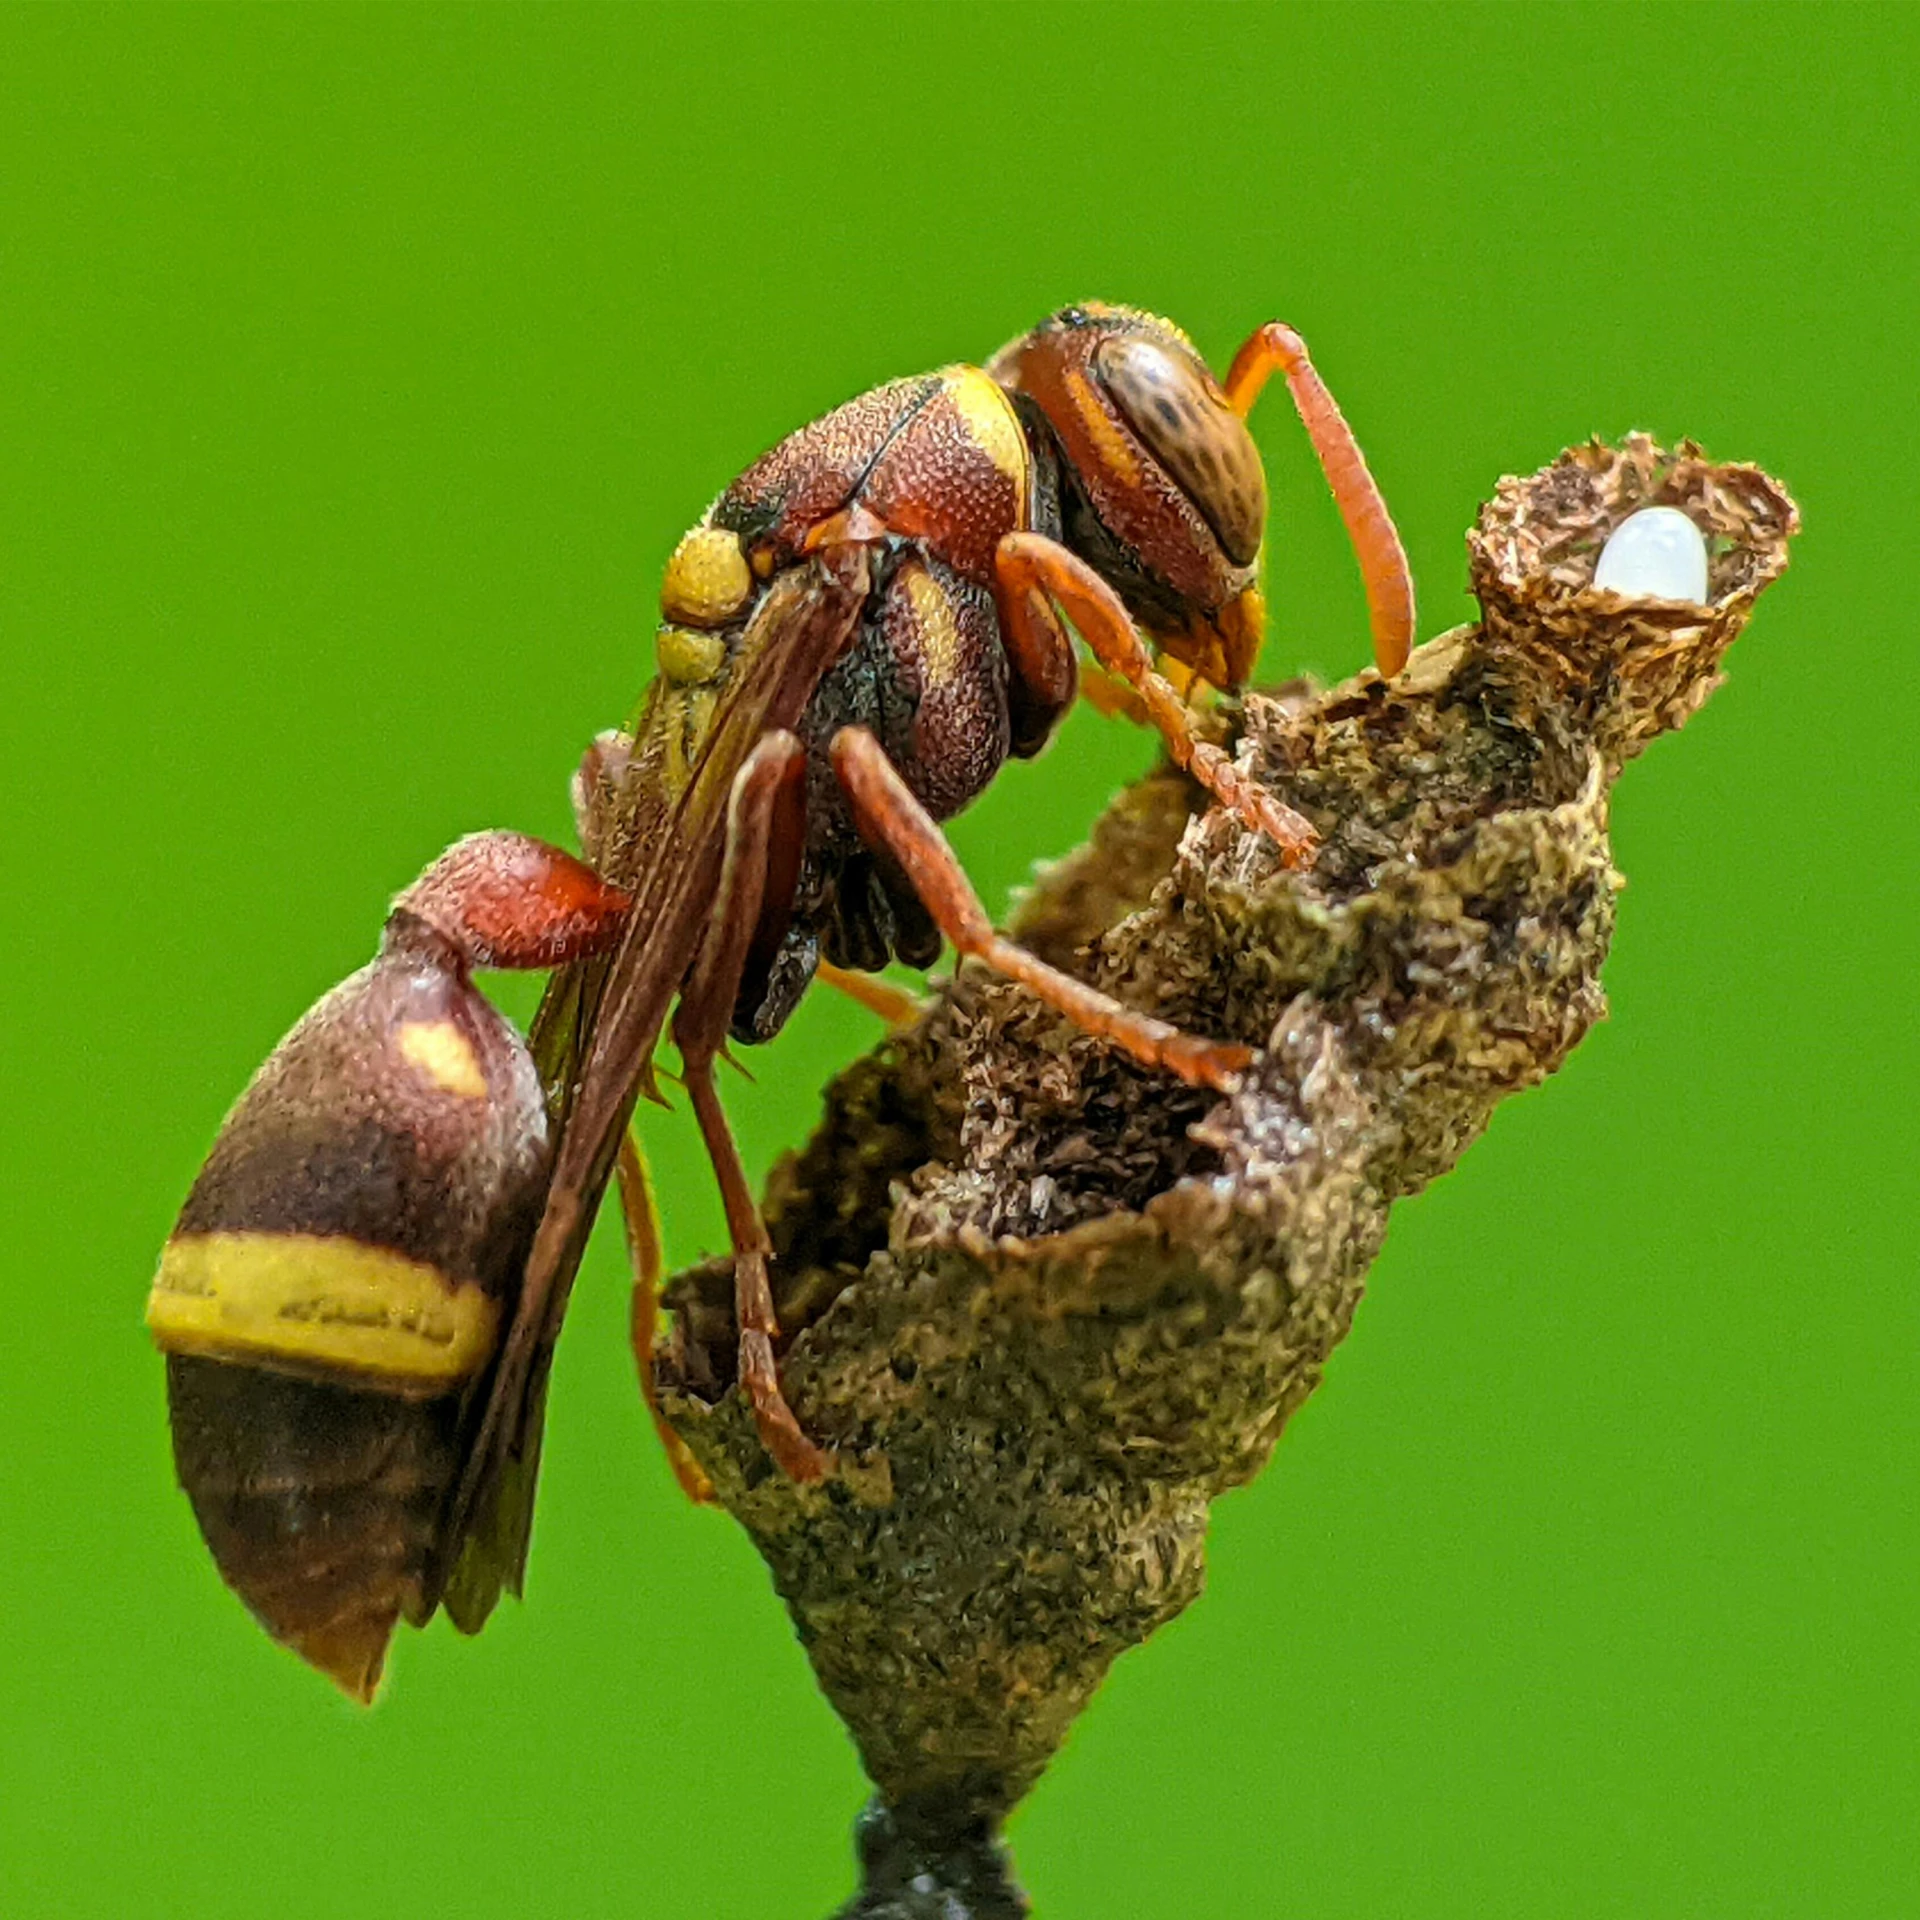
[
  {"x": 897, "y": 1006},
  {"x": 892, "y": 821},
  {"x": 765, "y": 818}
]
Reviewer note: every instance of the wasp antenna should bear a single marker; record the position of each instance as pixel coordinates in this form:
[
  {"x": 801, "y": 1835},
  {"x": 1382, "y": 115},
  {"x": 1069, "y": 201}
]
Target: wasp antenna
[{"x": 1276, "y": 348}]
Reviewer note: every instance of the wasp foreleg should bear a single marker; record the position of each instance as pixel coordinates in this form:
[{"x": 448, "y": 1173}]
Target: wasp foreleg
[
  {"x": 891, "y": 820},
  {"x": 1035, "y": 571},
  {"x": 768, "y": 795},
  {"x": 1043, "y": 676}
]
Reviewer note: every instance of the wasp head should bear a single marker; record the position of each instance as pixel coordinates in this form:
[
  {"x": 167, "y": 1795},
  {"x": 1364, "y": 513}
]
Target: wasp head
[{"x": 1160, "y": 484}]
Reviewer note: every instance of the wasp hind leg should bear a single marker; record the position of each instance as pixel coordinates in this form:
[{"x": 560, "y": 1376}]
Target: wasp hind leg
[
  {"x": 647, "y": 1255},
  {"x": 764, "y": 814},
  {"x": 890, "y": 819},
  {"x": 1036, "y": 574}
]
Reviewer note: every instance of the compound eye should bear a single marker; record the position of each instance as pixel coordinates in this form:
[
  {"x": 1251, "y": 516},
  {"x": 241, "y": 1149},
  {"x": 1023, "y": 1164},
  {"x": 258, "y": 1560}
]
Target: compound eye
[{"x": 1172, "y": 403}]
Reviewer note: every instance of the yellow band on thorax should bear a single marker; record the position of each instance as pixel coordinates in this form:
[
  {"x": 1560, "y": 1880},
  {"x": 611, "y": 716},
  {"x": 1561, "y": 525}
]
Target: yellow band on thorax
[
  {"x": 323, "y": 1302},
  {"x": 992, "y": 424}
]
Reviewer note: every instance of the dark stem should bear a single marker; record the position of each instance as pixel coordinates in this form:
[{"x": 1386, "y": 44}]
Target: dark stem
[{"x": 916, "y": 1867}]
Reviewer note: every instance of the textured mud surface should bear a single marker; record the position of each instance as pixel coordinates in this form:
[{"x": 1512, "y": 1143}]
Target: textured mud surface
[{"x": 1048, "y": 1306}]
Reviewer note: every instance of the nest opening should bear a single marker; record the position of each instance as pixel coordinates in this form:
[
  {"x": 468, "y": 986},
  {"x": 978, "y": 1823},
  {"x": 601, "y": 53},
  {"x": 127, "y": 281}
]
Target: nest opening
[{"x": 1546, "y": 531}]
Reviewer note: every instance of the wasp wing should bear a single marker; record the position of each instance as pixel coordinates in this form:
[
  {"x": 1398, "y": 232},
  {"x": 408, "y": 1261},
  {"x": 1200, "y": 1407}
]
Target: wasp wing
[{"x": 594, "y": 1039}]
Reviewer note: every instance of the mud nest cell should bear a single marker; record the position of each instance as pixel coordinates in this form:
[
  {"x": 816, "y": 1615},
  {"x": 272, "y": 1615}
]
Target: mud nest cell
[{"x": 1048, "y": 1305}]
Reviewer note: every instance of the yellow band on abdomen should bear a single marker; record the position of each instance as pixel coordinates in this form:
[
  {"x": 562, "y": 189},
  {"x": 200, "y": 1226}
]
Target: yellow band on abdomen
[{"x": 320, "y": 1301}]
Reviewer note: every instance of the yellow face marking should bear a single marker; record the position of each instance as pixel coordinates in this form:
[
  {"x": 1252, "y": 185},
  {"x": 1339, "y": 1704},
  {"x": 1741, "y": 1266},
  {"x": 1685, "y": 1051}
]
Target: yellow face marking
[
  {"x": 707, "y": 580},
  {"x": 992, "y": 425},
  {"x": 320, "y": 1301},
  {"x": 1243, "y": 626},
  {"x": 1110, "y": 441},
  {"x": 933, "y": 617},
  {"x": 445, "y": 1055}
]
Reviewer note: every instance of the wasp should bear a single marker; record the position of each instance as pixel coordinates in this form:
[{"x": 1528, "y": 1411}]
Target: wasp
[{"x": 359, "y": 1303}]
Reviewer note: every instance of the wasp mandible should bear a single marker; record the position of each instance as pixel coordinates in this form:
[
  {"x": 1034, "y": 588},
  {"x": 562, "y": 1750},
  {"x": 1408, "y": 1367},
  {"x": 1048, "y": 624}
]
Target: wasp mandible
[{"x": 360, "y": 1300}]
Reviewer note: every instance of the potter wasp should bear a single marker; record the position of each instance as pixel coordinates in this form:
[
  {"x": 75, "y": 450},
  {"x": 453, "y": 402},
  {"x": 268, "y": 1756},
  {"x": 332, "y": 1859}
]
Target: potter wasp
[{"x": 359, "y": 1303}]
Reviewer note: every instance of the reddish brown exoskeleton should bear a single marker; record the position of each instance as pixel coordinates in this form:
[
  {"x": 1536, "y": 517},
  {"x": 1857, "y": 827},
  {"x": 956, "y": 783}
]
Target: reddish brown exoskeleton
[{"x": 860, "y": 631}]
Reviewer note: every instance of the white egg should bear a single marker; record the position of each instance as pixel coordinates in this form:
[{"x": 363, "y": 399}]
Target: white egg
[{"x": 1655, "y": 554}]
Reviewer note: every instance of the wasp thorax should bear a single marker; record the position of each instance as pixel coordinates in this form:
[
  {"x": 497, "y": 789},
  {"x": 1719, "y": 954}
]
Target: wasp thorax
[
  {"x": 1174, "y": 404},
  {"x": 337, "y": 1280},
  {"x": 707, "y": 581}
]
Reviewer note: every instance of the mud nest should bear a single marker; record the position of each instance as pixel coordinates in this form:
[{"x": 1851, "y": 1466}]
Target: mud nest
[{"x": 1049, "y": 1306}]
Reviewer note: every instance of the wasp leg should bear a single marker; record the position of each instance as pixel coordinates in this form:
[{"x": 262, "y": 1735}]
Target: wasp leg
[
  {"x": 1276, "y": 348},
  {"x": 645, "y": 1251},
  {"x": 1033, "y": 571},
  {"x": 895, "y": 1005},
  {"x": 1113, "y": 699},
  {"x": 890, "y": 818},
  {"x": 1042, "y": 673},
  {"x": 767, "y": 795},
  {"x": 602, "y": 768}
]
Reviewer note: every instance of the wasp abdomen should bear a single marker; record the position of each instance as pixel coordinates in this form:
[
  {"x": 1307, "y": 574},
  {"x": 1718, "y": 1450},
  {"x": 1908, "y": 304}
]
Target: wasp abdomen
[
  {"x": 336, "y": 1281},
  {"x": 318, "y": 1501},
  {"x": 336, "y": 1286}
]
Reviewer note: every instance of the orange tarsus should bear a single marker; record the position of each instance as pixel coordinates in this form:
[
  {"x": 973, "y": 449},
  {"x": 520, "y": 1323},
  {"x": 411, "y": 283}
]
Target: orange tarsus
[
  {"x": 1112, "y": 699},
  {"x": 1376, "y": 541}
]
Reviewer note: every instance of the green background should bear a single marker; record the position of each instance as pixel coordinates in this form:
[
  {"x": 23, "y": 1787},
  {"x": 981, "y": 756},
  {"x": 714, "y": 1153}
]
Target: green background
[{"x": 358, "y": 371}]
